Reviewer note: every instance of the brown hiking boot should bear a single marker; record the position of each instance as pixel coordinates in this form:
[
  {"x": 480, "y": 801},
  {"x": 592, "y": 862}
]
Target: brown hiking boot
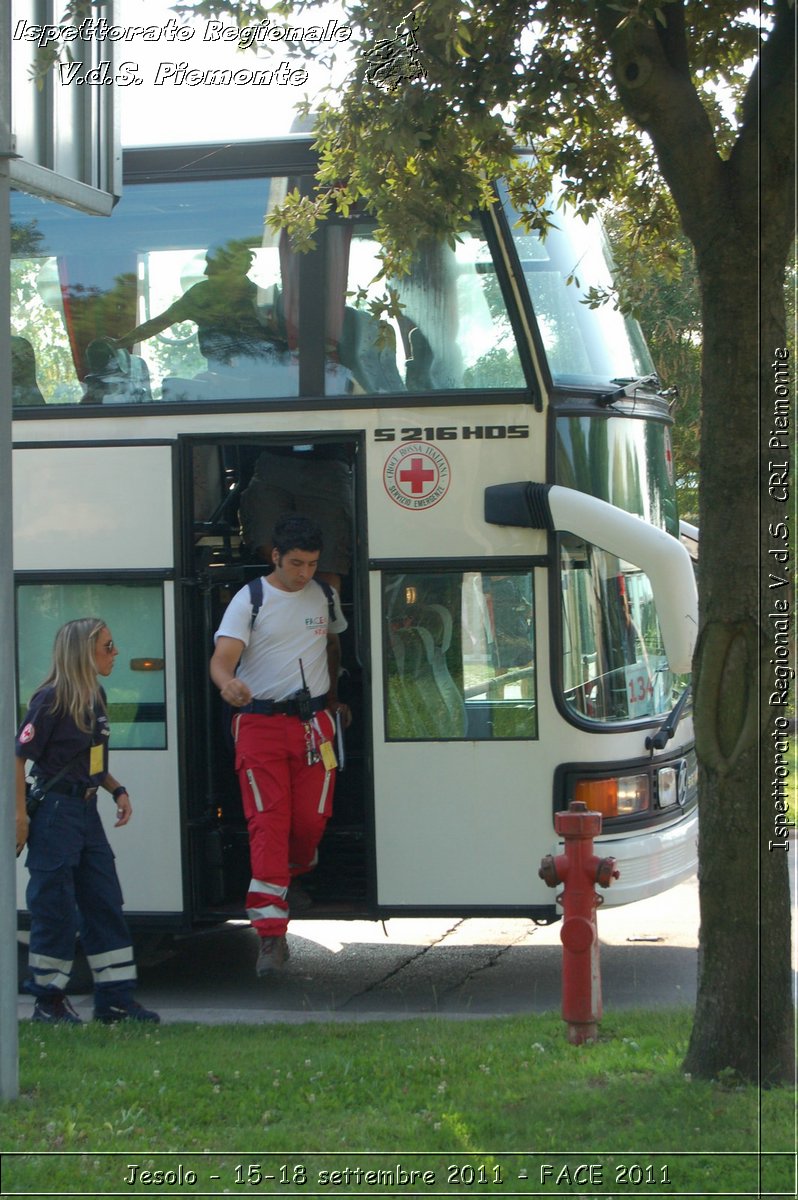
[{"x": 273, "y": 955}]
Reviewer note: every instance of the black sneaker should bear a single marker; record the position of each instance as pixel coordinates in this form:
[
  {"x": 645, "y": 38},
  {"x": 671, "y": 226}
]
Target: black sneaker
[
  {"x": 55, "y": 1010},
  {"x": 112, "y": 1011},
  {"x": 273, "y": 955}
]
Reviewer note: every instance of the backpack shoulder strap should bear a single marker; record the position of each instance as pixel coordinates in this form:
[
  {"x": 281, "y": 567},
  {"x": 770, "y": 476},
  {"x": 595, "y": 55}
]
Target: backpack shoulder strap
[
  {"x": 328, "y": 592},
  {"x": 256, "y": 598}
]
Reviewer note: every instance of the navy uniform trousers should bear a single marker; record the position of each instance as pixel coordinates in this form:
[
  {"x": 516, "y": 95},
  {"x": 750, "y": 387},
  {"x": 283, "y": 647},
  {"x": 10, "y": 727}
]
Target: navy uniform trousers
[{"x": 73, "y": 888}]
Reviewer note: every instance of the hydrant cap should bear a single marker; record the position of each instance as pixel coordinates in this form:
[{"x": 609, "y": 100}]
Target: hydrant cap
[{"x": 578, "y": 821}]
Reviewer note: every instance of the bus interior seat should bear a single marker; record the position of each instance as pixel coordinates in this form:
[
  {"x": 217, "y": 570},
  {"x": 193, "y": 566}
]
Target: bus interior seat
[
  {"x": 207, "y": 477},
  {"x": 423, "y": 699},
  {"x": 406, "y": 718},
  {"x": 437, "y": 621},
  {"x": 372, "y": 364},
  {"x": 24, "y": 388},
  {"x": 115, "y": 376}
]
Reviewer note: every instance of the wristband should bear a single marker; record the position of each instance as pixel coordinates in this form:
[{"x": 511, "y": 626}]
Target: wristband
[{"x": 120, "y": 791}]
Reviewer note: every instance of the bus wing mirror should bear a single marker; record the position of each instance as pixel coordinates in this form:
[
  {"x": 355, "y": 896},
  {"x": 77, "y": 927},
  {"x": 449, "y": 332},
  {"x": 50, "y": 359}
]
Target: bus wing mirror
[{"x": 525, "y": 504}]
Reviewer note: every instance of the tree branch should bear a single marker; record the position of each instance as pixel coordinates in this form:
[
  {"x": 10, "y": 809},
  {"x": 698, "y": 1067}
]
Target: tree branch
[
  {"x": 660, "y": 98},
  {"x": 673, "y": 38}
]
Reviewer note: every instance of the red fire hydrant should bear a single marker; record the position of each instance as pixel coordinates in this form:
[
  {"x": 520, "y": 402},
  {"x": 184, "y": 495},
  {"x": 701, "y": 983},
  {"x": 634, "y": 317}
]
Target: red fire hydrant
[{"x": 579, "y": 869}]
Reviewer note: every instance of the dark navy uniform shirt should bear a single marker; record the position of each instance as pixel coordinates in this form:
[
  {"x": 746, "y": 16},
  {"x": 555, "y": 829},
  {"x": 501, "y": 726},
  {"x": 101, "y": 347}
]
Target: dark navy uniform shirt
[{"x": 51, "y": 740}]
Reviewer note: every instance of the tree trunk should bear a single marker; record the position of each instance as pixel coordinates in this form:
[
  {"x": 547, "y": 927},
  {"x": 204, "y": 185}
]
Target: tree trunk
[
  {"x": 743, "y": 1018},
  {"x": 739, "y": 215}
]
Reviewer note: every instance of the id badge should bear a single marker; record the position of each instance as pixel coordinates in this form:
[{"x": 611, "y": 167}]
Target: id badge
[
  {"x": 328, "y": 756},
  {"x": 96, "y": 760}
]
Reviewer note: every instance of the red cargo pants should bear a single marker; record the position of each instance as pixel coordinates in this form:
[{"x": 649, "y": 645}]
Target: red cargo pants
[{"x": 287, "y": 804}]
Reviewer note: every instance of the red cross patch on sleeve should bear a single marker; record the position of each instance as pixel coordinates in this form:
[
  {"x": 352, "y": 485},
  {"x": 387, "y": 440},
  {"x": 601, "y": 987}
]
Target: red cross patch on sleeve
[{"x": 28, "y": 734}]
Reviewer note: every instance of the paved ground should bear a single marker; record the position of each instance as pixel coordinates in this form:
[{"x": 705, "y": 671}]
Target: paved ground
[{"x": 363, "y": 970}]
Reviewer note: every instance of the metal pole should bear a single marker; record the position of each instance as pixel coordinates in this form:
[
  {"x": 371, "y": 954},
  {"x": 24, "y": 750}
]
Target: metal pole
[{"x": 9, "y": 1033}]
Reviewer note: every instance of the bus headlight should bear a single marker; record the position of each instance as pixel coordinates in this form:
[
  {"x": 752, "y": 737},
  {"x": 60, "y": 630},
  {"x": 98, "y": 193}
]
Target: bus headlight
[
  {"x": 620, "y": 796},
  {"x": 667, "y": 787}
]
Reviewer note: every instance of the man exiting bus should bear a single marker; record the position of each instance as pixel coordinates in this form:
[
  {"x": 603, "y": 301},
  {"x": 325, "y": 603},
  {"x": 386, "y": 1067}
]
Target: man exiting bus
[{"x": 276, "y": 664}]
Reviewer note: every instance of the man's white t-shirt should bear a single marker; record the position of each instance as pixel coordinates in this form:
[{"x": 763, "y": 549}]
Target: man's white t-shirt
[{"x": 289, "y": 626}]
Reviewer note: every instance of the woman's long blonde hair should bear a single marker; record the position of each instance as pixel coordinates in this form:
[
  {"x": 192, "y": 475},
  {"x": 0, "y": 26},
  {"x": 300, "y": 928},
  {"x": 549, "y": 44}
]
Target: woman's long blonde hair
[{"x": 73, "y": 671}]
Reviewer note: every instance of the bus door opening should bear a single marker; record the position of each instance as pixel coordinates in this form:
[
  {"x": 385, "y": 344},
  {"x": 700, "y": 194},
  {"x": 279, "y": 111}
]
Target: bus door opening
[{"x": 234, "y": 492}]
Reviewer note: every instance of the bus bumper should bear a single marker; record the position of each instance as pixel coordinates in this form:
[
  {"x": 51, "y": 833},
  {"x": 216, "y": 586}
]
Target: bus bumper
[{"x": 669, "y": 855}]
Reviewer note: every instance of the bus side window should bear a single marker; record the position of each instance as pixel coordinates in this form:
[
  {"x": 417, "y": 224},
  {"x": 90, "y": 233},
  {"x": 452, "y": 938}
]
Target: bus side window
[{"x": 459, "y": 655}]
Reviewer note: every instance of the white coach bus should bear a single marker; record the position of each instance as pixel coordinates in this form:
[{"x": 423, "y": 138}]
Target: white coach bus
[{"x": 521, "y": 612}]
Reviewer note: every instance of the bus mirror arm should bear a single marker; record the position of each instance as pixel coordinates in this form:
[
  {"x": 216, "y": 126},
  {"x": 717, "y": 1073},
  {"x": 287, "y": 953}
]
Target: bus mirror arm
[
  {"x": 663, "y": 557},
  {"x": 660, "y": 739}
]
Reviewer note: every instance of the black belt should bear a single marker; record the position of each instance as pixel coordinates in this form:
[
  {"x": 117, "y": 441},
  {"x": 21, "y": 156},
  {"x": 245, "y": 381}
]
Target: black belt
[
  {"x": 282, "y": 708},
  {"x": 76, "y": 791}
]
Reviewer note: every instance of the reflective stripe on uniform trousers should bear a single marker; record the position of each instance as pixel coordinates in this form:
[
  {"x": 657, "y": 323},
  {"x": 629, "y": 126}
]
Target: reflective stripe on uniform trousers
[
  {"x": 325, "y": 789},
  {"x": 50, "y": 972},
  {"x": 266, "y": 911},
  {"x": 113, "y": 966},
  {"x": 256, "y": 796}
]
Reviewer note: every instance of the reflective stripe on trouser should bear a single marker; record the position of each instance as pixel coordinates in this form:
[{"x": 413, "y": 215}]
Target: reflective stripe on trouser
[
  {"x": 50, "y": 973},
  {"x": 73, "y": 888},
  {"x": 113, "y": 969},
  {"x": 287, "y": 804}
]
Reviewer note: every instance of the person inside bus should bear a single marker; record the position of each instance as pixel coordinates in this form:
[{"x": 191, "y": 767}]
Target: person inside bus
[
  {"x": 24, "y": 388},
  {"x": 277, "y": 667},
  {"x": 314, "y": 480},
  {"x": 233, "y": 333},
  {"x": 73, "y": 885}
]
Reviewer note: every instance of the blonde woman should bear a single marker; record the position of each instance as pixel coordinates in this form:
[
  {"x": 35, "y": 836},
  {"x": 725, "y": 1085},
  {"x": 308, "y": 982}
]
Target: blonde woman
[{"x": 73, "y": 885}]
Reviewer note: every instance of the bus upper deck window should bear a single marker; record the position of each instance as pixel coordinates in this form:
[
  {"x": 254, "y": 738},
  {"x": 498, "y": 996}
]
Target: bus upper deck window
[
  {"x": 452, "y": 331},
  {"x": 183, "y": 294}
]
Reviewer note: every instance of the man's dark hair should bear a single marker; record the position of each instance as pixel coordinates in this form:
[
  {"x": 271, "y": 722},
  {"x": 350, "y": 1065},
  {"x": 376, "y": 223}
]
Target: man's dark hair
[{"x": 296, "y": 533}]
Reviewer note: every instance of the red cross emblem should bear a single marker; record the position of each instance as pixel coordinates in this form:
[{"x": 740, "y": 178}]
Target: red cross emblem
[{"x": 416, "y": 475}]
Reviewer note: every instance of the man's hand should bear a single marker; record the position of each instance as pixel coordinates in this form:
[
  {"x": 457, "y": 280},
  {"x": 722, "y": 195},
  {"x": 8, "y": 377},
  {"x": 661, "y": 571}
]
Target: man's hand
[
  {"x": 338, "y": 708},
  {"x": 236, "y": 693}
]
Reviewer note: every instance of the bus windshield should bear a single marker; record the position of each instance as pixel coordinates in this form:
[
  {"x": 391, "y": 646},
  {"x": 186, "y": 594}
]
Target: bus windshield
[
  {"x": 584, "y": 346},
  {"x": 614, "y": 665}
]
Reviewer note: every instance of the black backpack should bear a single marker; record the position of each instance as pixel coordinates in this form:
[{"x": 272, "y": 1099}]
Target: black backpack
[{"x": 256, "y": 597}]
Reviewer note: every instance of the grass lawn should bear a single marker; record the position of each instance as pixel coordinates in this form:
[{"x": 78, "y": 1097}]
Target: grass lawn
[{"x": 497, "y": 1107}]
